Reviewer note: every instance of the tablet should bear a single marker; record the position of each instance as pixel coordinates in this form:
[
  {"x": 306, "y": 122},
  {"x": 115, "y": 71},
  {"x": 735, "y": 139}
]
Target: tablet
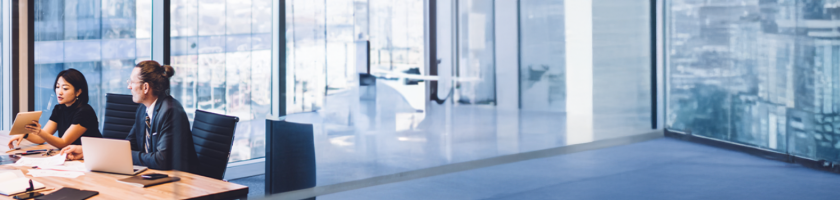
[{"x": 23, "y": 119}]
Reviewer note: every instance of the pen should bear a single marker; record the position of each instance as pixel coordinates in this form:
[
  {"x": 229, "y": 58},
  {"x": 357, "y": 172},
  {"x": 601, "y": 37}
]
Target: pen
[
  {"x": 15, "y": 149},
  {"x": 41, "y": 150}
]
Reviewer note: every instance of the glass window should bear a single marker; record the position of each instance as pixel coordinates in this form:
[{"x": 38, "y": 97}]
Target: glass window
[
  {"x": 621, "y": 68},
  {"x": 475, "y": 69},
  {"x": 321, "y": 42},
  {"x": 759, "y": 73},
  {"x": 397, "y": 46},
  {"x": 101, "y": 38},
  {"x": 542, "y": 81},
  {"x": 306, "y": 59},
  {"x": 221, "y": 52}
]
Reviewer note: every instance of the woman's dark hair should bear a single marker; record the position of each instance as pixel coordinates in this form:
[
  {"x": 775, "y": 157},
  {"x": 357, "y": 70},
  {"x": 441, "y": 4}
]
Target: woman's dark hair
[
  {"x": 78, "y": 81},
  {"x": 156, "y": 75}
]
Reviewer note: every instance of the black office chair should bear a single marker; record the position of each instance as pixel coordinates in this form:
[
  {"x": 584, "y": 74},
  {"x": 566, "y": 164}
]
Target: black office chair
[
  {"x": 213, "y": 138},
  {"x": 119, "y": 116},
  {"x": 290, "y": 157}
]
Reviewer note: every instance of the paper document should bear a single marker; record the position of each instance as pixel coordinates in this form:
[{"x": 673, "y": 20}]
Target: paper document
[
  {"x": 45, "y": 172},
  {"x": 75, "y": 166},
  {"x": 70, "y": 169},
  {"x": 13, "y": 182},
  {"x": 41, "y": 161}
]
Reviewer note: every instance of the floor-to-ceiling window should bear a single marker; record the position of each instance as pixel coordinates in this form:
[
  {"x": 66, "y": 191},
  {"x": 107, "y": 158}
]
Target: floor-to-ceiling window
[
  {"x": 593, "y": 54},
  {"x": 221, "y": 52},
  {"x": 475, "y": 68},
  {"x": 542, "y": 79},
  {"x": 101, "y": 38},
  {"x": 322, "y": 38},
  {"x": 220, "y": 49},
  {"x": 759, "y": 73},
  {"x": 621, "y": 67}
]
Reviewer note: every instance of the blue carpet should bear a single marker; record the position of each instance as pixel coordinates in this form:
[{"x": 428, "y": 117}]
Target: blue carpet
[{"x": 658, "y": 169}]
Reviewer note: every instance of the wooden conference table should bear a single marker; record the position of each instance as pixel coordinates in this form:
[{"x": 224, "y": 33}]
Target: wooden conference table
[{"x": 190, "y": 186}]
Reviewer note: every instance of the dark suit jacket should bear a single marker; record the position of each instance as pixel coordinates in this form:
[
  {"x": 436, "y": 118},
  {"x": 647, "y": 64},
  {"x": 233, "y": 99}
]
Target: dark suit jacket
[{"x": 171, "y": 141}]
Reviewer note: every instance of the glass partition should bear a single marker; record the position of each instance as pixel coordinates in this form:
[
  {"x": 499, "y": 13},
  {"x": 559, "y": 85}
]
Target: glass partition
[
  {"x": 542, "y": 63},
  {"x": 321, "y": 42},
  {"x": 220, "y": 49},
  {"x": 101, "y": 38},
  {"x": 322, "y": 49},
  {"x": 620, "y": 68},
  {"x": 221, "y": 52},
  {"x": 542, "y": 73},
  {"x": 759, "y": 73},
  {"x": 475, "y": 69}
]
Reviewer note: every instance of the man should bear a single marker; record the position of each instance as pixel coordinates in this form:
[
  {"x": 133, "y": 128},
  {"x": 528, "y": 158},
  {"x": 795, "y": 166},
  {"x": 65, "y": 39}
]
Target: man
[{"x": 161, "y": 137}]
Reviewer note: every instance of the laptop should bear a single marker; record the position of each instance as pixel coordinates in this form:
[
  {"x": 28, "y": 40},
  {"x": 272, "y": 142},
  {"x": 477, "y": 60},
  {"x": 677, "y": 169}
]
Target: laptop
[{"x": 109, "y": 155}]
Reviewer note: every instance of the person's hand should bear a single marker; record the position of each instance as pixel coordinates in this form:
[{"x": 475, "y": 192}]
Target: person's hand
[
  {"x": 16, "y": 139},
  {"x": 74, "y": 152},
  {"x": 34, "y": 128}
]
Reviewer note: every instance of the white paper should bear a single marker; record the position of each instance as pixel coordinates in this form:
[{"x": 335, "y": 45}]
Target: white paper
[
  {"x": 75, "y": 166},
  {"x": 41, "y": 161},
  {"x": 54, "y": 173}
]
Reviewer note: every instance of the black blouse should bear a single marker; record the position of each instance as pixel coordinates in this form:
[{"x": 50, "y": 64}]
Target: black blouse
[{"x": 83, "y": 115}]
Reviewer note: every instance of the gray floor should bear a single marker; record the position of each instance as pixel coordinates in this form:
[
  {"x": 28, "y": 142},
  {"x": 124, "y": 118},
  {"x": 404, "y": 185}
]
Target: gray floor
[
  {"x": 658, "y": 169},
  {"x": 363, "y": 134},
  {"x": 372, "y": 132},
  {"x": 256, "y": 182}
]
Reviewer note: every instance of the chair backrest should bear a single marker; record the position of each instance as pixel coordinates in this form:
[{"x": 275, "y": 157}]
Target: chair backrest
[
  {"x": 290, "y": 156},
  {"x": 213, "y": 137},
  {"x": 119, "y": 116}
]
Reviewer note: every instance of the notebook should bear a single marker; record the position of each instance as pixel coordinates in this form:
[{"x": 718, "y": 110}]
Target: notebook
[
  {"x": 140, "y": 182},
  {"x": 69, "y": 194},
  {"x": 13, "y": 182}
]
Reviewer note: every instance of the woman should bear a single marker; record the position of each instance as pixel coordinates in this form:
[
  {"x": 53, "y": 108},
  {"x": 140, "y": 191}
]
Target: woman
[{"x": 72, "y": 117}]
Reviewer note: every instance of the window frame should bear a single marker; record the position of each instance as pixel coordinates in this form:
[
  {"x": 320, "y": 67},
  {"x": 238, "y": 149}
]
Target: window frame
[
  {"x": 5, "y": 65},
  {"x": 18, "y": 65}
]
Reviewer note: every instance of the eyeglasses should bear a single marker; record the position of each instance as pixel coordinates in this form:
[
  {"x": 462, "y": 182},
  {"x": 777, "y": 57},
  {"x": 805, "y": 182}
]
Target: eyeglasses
[{"x": 130, "y": 82}]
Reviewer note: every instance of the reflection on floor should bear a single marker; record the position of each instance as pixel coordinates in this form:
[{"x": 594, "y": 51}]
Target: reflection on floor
[
  {"x": 369, "y": 132},
  {"x": 664, "y": 168}
]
